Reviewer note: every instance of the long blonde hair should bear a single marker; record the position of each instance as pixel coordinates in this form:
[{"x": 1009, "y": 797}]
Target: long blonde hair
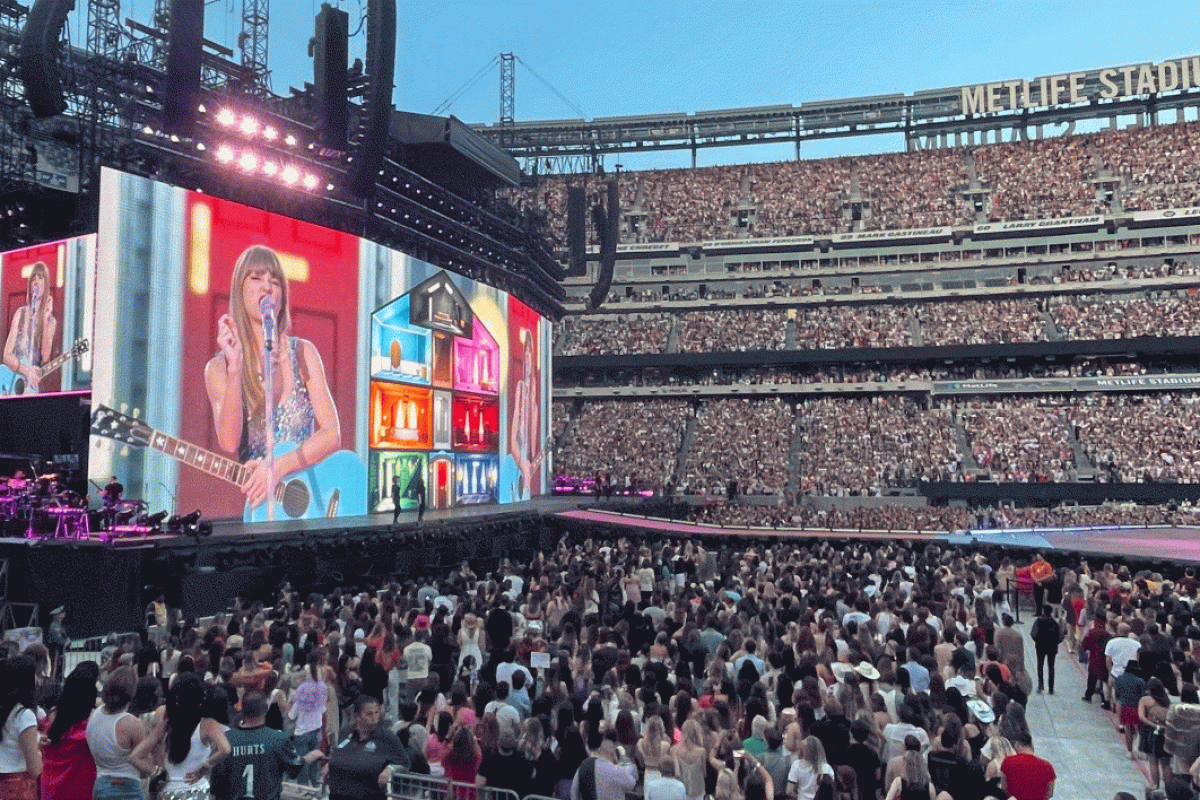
[{"x": 256, "y": 259}]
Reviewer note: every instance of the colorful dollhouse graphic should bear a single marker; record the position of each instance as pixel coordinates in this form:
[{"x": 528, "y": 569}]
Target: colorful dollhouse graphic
[{"x": 434, "y": 400}]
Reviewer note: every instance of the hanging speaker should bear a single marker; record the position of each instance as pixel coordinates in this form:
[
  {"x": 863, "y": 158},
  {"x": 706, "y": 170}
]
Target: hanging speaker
[
  {"x": 185, "y": 42},
  {"x": 40, "y": 56},
  {"x": 331, "y": 50},
  {"x": 371, "y": 134},
  {"x": 576, "y": 235}
]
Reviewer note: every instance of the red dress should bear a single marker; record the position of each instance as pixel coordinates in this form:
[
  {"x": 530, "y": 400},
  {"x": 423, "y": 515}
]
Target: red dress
[{"x": 68, "y": 771}]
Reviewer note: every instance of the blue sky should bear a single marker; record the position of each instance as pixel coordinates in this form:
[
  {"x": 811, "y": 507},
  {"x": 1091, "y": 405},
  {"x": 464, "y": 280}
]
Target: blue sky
[{"x": 619, "y": 57}]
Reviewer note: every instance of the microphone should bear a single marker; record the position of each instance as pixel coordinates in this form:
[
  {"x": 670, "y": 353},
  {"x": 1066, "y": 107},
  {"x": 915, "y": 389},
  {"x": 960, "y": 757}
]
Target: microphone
[{"x": 267, "y": 306}]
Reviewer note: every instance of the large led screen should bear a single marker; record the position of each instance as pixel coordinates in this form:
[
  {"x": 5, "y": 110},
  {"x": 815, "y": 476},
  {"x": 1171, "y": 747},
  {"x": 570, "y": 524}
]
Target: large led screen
[
  {"x": 379, "y": 371},
  {"x": 47, "y": 317}
]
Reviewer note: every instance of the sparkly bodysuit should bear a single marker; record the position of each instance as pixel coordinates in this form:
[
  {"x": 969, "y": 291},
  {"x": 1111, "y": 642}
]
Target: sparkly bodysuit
[{"x": 295, "y": 420}]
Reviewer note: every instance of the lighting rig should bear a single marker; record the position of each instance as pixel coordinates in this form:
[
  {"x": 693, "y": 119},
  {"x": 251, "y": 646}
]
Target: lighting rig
[{"x": 268, "y": 151}]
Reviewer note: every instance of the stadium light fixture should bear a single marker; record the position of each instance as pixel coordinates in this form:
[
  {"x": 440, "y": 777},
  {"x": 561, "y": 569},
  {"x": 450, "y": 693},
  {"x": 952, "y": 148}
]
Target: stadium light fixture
[
  {"x": 248, "y": 161},
  {"x": 290, "y": 175},
  {"x": 226, "y": 117},
  {"x": 225, "y": 154},
  {"x": 310, "y": 182}
]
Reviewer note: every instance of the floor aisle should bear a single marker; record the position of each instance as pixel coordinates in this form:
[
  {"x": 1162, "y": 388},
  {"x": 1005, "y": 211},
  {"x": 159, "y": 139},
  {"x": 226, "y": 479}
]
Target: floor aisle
[{"x": 1078, "y": 738}]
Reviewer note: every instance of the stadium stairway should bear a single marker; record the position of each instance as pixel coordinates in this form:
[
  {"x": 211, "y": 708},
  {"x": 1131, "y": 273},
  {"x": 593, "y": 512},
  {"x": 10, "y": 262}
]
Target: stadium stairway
[
  {"x": 673, "y": 335},
  {"x": 568, "y": 431},
  {"x": 1053, "y": 334},
  {"x": 795, "y": 455},
  {"x": 789, "y": 335},
  {"x": 963, "y": 442},
  {"x": 685, "y": 446},
  {"x": 1085, "y": 467},
  {"x": 914, "y": 330}
]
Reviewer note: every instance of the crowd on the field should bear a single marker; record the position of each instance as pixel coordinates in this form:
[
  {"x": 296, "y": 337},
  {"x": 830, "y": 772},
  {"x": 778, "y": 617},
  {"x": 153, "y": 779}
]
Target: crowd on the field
[{"x": 854, "y": 671}]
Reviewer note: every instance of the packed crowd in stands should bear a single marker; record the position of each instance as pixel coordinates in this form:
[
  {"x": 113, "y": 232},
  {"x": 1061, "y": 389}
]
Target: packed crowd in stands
[
  {"x": 980, "y": 322},
  {"x": 935, "y": 519},
  {"x": 855, "y": 671},
  {"x": 729, "y": 329},
  {"x": 957, "y": 322},
  {"x": 628, "y": 333},
  {"x": 830, "y": 327},
  {"x": 1145, "y": 168},
  {"x": 1022, "y": 440},
  {"x": 858, "y": 446},
  {"x": 1141, "y": 438},
  {"x": 1101, "y": 318},
  {"x": 748, "y": 441},
  {"x": 631, "y": 439}
]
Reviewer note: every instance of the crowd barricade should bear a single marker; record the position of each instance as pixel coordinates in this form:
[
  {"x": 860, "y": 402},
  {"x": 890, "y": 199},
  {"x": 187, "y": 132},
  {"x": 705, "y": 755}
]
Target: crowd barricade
[
  {"x": 79, "y": 650},
  {"x": 410, "y": 786},
  {"x": 299, "y": 791}
]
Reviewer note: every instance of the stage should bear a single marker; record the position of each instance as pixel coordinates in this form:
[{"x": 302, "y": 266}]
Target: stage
[{"x": 106, "y": 585}]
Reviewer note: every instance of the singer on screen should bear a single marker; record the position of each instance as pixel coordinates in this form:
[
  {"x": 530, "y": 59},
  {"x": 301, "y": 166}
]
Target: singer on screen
[
  {"x": 259, "y": 322},
  {"x": 30, "y": 341}
]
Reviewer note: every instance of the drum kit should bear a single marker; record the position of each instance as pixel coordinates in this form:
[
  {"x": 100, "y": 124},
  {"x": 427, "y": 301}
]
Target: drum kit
[{"x": 47, "y": 509}]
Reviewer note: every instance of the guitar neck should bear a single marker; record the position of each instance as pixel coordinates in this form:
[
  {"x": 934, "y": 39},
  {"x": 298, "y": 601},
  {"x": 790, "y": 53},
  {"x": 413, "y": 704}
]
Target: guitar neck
[
  {"x": 224, "y": 468},
  {"x": 205, "y": 460}
]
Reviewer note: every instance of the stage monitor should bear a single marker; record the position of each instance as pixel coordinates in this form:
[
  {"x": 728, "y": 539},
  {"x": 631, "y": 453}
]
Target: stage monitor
[
  {"x": 47, "y": 317},
  {"x": 381, "y": 368}
]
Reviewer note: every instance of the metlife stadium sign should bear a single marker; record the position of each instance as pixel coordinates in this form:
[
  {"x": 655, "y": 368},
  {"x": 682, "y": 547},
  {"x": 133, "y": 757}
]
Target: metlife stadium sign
[{"x": 1111, "y": 83}]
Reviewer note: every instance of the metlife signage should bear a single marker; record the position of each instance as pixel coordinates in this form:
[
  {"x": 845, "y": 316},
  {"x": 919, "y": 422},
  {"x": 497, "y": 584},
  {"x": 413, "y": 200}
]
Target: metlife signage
[
  {"x": 1122, "y": 383},
  {"x": 1111, "y": 83}
]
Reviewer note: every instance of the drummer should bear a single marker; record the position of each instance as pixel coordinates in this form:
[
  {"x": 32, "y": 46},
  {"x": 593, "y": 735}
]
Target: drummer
[{"x": 18, "y": 482}]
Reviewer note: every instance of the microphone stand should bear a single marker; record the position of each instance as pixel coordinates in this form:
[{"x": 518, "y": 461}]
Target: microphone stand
[{"x": 268, "y": 309}]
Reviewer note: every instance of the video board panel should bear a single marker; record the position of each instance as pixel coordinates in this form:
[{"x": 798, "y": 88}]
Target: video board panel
[
  {"x": 47, "y": 317},
  {"x": 376, "y": 368}
]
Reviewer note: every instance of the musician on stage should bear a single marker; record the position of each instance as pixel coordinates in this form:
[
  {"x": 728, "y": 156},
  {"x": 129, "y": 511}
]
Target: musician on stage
[
  {"x": 112, "y": 492},
  {"x": 304, "y": 412},
  {"x": 30, "y": 341},
  {"x": 111, "y": 495}
]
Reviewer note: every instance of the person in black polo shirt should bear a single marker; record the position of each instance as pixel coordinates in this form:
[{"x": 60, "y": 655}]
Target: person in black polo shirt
[
  {"x": 361, "y": 766},
  {"x": 259, "y": 756}
]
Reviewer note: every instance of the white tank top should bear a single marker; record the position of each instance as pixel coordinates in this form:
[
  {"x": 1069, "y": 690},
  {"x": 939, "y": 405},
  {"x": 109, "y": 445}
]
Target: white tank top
[
  {"x": 197, "y": 753},
  {"x": 110, "y": 757}
]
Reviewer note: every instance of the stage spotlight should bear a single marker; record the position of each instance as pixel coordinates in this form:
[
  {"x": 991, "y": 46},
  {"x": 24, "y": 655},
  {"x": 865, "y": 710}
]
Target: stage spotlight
[
  {"x": 202, "y": 109},
  {"x": 310, "y": 182},
  {"x": 224, "y": 154},
  {"x": 248, "y": 161},
  {"x": 155, "y": 520},
  {"x": 270, "y": 169},
  {"x": 226, "y": 117},
  {"x": 249, "y": 125},
  {"x": 290, "y": 175},
  {"x": 289, "y": 140}
]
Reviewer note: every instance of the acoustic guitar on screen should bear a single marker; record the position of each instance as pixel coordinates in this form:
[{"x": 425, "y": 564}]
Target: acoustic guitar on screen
[
  {"x": 14, "y": 383},
  {"x": 336, "y": 486}
]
